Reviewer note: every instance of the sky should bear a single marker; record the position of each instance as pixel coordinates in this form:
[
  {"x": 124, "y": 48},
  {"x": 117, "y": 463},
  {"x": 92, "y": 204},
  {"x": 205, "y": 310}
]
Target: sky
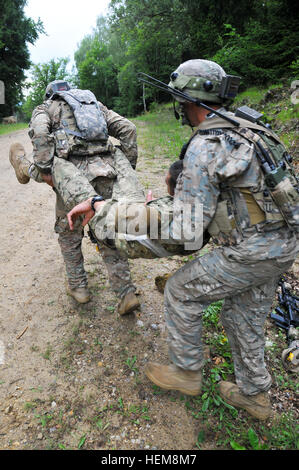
[{"x": 66, "y": 23}]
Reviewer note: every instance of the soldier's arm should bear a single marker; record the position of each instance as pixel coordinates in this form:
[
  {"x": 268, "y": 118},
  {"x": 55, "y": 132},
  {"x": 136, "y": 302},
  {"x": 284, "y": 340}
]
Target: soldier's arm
[
  {"x": 123, "y": 130},
  {"x": 196, "y": 193},
  {"x": 42, "y": 139}
]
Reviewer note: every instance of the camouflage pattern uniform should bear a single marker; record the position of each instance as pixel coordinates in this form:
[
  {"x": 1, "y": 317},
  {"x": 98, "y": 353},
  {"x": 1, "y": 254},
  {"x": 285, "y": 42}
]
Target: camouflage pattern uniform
[
  {"x": 221, "y": 171},
  {"x": 95, "y": 161}
]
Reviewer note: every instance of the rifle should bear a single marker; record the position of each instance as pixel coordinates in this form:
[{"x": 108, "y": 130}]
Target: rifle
[{"x": 286, "y": 316}]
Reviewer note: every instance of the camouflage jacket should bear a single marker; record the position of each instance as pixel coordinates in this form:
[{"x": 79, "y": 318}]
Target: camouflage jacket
[{"x": 47, "y": 119}]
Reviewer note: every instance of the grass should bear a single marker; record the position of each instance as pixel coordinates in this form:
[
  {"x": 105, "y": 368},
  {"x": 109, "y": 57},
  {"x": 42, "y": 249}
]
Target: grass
[
  {"x": 253, "y": 95},
  {"x": 280, "y": 113},
  {"x": 8, "y": 128}
]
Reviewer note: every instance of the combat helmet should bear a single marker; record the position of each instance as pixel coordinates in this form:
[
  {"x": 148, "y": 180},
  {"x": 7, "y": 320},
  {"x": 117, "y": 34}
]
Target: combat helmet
[
  {"x": 56, "y": 85},
  {"x": 199, "y": 78}
]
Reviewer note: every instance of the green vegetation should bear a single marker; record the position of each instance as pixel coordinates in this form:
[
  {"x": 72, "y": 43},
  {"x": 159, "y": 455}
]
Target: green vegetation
[
  {"x": 7, "y": 128},
  {"x": 162, "y": 135},
  {"x": 41, "y": 76},
  {"x": 252, "y": 39},
  {"x": 255, "y": 40},
  {"x": 16, "y": 31}
]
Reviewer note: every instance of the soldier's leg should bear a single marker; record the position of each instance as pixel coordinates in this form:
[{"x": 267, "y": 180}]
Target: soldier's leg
[
  {"x": 70, "y": 243},
  {"x": 243, "y": 317},
  {"x": 214, "y": 276},
  {"x": 118, "y": 270},
  {"x": 34, "y": 174},
  {"x": 117, "y": 264},
  {"x": 23, "y": 167},
  {"x": 188, "y": 292},
  {"x": 127, "y": 187},
  {"x": 73, "y": 187}
]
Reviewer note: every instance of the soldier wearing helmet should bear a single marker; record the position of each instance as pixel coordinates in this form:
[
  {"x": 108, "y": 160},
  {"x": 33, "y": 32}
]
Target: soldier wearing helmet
[
  {"x": 254, "y": 246},
  {"x": 222, "y": 175}
]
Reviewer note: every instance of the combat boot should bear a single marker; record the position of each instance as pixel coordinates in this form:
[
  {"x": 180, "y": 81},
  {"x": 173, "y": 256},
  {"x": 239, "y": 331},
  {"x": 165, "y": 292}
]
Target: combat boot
[
  {"x": 128, "y": 303},
  {"x": 172, "y": 377},
  {"x": 258, "y": 406},
  {"x": 19, "y": 162},
  {"x": 80, "y": 294}
]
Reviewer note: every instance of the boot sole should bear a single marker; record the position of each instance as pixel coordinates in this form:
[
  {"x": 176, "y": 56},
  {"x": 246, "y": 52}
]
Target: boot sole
[{"x": 167, "y": 387}]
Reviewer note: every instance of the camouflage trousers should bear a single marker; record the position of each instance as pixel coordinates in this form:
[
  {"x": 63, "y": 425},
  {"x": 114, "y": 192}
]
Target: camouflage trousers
[
  {"x": 71, "y": 187},
  {"x": 245, "y": 277}
]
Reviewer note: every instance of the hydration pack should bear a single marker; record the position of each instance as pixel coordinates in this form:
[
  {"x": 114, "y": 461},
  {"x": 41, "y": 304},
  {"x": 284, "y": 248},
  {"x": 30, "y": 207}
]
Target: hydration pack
[{"x": 89, "y": 117}]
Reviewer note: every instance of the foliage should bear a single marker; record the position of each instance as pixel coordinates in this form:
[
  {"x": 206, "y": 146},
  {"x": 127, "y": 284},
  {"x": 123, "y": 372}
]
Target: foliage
[
  {"x": 15, "y": 32},
  {"x": 41, "y": 76},
  {"x": 98, "y": 74},
  {"x": 253, "y": 39}
]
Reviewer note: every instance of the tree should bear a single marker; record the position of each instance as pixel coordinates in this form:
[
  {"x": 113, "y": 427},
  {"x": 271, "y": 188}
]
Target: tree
[
  {"x": 16, "y": 31},
  {"x": 98, "y": 74},
  {"x": 268, "y": 46},
  {"x": 254, "y": 39}
]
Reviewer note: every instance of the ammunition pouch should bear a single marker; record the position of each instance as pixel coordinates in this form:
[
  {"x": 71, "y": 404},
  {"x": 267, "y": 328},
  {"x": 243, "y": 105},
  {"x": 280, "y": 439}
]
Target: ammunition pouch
[
  {"x": 224, "y": 228},
  {"x": 61, "y": 143}
]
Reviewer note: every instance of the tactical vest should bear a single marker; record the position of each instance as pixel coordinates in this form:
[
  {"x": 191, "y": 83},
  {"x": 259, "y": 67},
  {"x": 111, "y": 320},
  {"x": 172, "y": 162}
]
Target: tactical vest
[
  {"x": 78, "y": 124},
  {"x": 275, "y": 205}
]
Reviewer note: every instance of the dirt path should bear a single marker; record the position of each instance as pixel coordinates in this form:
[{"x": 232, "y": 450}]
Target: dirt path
[{"x": 72, "y": 376}]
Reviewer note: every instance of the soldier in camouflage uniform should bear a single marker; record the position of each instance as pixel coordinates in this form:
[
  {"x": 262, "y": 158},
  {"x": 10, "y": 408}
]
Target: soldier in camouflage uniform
[
  {"x": 221, "y": 172},
  {"x": 60, "y": 133},
  {"x": 124, "y": 221},
  {"x": 255, "y": 247}
]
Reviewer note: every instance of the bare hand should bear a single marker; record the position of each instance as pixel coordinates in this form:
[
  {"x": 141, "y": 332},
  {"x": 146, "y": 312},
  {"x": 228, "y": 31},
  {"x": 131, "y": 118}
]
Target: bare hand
[{"x": 84, "y": 208}]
